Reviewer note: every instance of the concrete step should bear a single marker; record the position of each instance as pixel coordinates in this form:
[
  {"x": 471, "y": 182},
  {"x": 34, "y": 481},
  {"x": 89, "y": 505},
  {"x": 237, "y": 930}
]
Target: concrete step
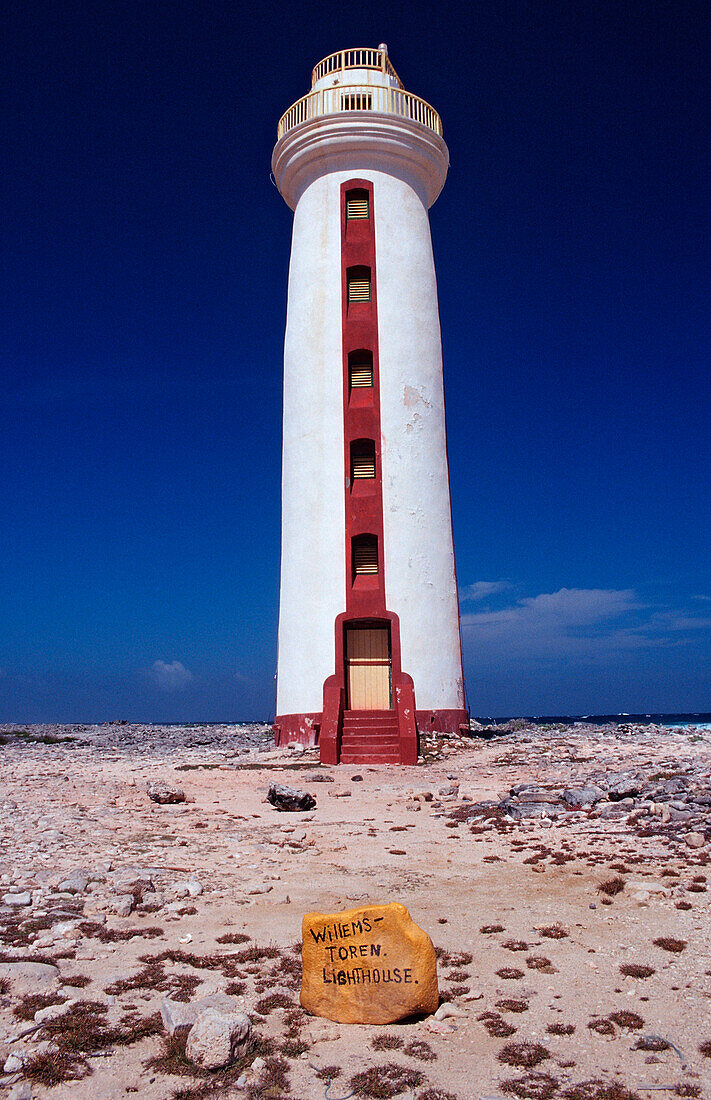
[
  {"x": 370, "y": 758},
  {"x": 371, "y": 735},
  {"x": 358, "y": 724}
]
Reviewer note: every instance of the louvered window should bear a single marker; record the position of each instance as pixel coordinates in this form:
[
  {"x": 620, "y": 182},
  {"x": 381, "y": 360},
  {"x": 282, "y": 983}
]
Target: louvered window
[
  {"x": 360, "y": 369},
  {"x": 359, "y": 284},
  {"x": 365, "y": 555},
  {"x": 362, "y": 459},
  {"x": 357, "y": 101},
  {"x": 357, "y": 205}
]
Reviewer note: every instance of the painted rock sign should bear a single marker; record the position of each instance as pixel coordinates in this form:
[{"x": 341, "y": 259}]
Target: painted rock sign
[{"x": 371, "y": 965}]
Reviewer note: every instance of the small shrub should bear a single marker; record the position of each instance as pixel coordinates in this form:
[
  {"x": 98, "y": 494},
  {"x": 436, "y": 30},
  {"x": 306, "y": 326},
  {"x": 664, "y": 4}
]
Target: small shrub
[
  {"x": 25, "y": 1008},
  {"x": 489, "y": 929},
  {"x": 54, "y": 1067},
  {"x": 653, "y": 1043},
  {"x": 553, "y": 932},
  {"x": 612, "y": 887},
  {"x": 386, "y": 1042},
  {"x": 599, "y": 1090},
  {"x": 637, "y": 970},
  {"x": 382, "y": 1082},
  {"x": 540, "y": 962},
  {"x": 496, "y": 1025},
  {"x": 275, "y": 1000},
  {"x": 560, "y": 1029},
  {"x": 418, "y": 1048},
  {"x": 523, "y": 1053},
  {"x": 602, "y": 1026},
  {"x": 328, "y": 1073},
  {"x": 76, "y": 981},
  {"x": 532, "y": 1086},
  {"x": 705, "y": 1048},
  {"x": 510, "y": 1004},
  {"x": 669, "y": 943},
  {"x": 627, "y": 1019},
  {"x": 233, "y": 937},
  {"x": 294, "y": 1048},
  {"x": 509, "y": 973}
]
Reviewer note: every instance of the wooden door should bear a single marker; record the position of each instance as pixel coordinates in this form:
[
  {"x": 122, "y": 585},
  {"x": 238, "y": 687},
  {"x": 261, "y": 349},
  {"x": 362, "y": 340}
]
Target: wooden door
[{"x": 368, "y": 668}]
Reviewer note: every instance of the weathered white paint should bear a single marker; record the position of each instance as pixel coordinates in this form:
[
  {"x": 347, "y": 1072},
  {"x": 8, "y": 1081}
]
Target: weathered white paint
[
  {"x": 420, "y": 581},
  {"x": 313, "y": 507},
  {"x": 407, "y": 164},
  {"x": 343, "y": 77},
  {"x": 358, "y": 142}
]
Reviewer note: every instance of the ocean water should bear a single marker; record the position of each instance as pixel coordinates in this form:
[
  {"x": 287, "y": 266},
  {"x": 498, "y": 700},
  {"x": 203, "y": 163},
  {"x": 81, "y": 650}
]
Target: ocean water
[{"x": 701, "y": 720}]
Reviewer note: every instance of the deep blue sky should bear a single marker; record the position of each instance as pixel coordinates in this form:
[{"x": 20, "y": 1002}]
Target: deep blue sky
[{"x": 143, "y": 257}]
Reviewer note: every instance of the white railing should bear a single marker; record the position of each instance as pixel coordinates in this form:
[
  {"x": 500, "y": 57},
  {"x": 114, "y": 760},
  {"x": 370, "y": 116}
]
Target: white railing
[
  {"x": 354, "y": 59},
  {"x": 361, "y": 97}
]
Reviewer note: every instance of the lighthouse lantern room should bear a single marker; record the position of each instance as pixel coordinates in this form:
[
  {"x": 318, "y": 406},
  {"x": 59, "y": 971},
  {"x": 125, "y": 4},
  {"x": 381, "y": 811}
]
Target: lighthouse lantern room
[{"x": 369, "y": 640}]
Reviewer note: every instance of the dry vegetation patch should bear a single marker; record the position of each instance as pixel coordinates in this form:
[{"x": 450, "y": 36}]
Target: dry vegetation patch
[
  {"x": 637, "y": 970},
  {"x": 532, "y": 1086},
  {"x": 669, "y": 943},
  {"x": 523, "y": 1053},
  {"x": 496, "y": 1025},
  {"x": 381, "y": 1082}
]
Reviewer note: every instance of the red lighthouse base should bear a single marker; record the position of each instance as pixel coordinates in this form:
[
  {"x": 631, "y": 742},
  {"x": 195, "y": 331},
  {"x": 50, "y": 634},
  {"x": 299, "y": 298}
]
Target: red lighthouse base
[{"x": 366, "y": 736}]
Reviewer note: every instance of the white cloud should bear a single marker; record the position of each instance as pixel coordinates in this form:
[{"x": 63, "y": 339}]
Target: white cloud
[
  {"x": 480, "y": 590},
  {"x": 571, "y": 621},
  {"x": 170, "y": 676},
  {"x": 583, "y": 624}
]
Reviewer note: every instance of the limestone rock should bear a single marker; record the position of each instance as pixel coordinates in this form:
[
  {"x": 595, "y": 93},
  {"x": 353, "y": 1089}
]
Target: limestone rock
[
  {"x": 447, "y": 1010},
  {"x": 215, "y": 1040},
  {"x": 51, "y": 1012},
  {"x": 164, "y": 793},
  {"x": 22, "y": 1090},
  {"x": 17, "y": 900},
  {"x": 582, "y": 797},
  {"x": 178, "y": 1018},
  {"x": 695, "y": 840},
  {"x": 30, "y": 977},
  {"x": 76, "y": 882},
  {"x": 135, "y": 883},
  {"x": 370, "y": 965},
  {"x": 122, "y": 906},
  {"x": 287, "y": 798}
]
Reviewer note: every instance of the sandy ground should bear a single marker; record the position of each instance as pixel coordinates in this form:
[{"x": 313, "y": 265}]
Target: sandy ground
[{"x": 463, "y": 862}]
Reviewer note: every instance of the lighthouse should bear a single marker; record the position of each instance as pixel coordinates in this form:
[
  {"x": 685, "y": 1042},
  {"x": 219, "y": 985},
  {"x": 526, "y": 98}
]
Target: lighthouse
[{"x": 369, "y": 651}]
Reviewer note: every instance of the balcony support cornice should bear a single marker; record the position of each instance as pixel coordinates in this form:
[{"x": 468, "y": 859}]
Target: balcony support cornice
[{"x": 366, "y": 140}]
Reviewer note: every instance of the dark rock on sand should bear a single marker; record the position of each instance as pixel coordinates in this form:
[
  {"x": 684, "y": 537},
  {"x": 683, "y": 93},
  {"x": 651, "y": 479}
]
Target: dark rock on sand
[{"x": 287, "y": 798}]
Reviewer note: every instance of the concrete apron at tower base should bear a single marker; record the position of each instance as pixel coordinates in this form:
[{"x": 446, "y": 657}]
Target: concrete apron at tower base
[
  {"x": 300, "y": 728},
  {"x": 304, "y": 729}
]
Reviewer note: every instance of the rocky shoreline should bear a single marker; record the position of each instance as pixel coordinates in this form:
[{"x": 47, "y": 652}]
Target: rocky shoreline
[{"x": 561, "y": 871}]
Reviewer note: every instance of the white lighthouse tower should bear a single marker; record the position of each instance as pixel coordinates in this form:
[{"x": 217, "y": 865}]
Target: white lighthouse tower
[{"x": 369, "y": 640}]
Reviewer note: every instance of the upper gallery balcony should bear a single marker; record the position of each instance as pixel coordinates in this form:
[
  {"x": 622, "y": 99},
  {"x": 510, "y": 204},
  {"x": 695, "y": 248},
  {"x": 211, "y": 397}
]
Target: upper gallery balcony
[{"x": 358, "y": 80}]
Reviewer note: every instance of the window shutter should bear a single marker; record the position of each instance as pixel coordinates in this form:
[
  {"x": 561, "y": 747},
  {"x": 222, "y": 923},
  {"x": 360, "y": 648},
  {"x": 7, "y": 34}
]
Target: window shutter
[
  {"x": 360, "y": 373},
  {"x": 359, "y": 289},
  {"x": 357, "y": 101},
  {"x": 365, "y": 556},
  {"x": 357, "y": 206},
  {"x": 363, "y": 460}
]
